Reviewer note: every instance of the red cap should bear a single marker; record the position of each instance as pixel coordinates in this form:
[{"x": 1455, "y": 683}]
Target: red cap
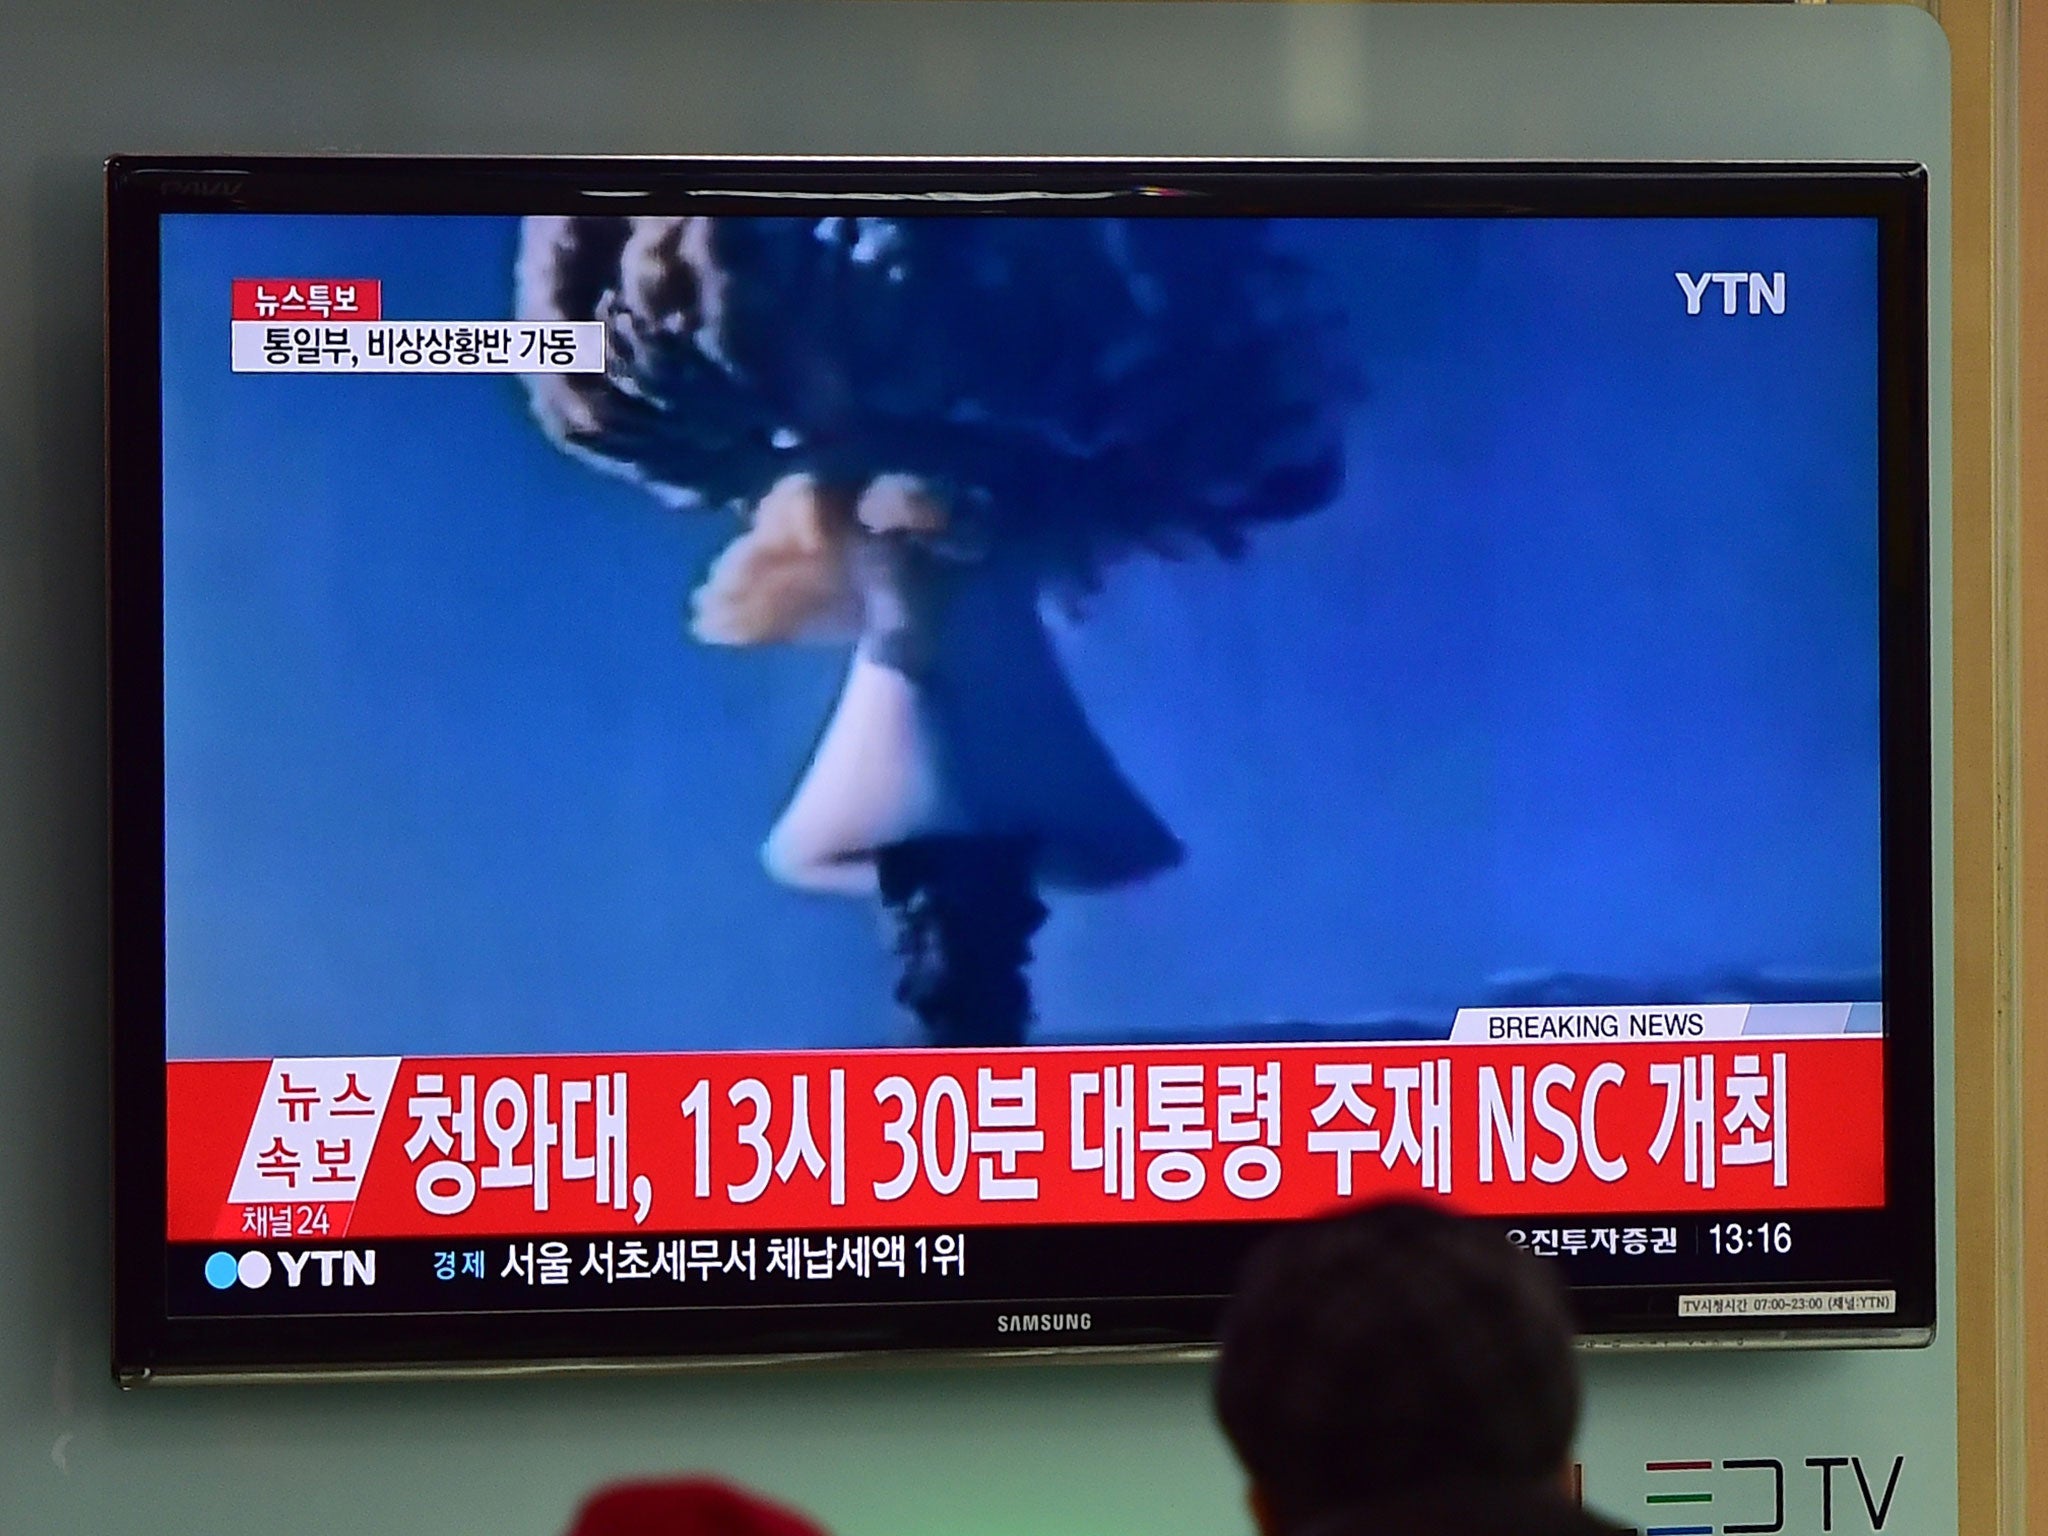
[{"x": 685, "y": 1506}]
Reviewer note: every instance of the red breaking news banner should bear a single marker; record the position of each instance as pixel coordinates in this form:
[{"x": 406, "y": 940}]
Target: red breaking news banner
[
  {"x": 433, "y": 1146},
  {"x": 308, "y": 298}
]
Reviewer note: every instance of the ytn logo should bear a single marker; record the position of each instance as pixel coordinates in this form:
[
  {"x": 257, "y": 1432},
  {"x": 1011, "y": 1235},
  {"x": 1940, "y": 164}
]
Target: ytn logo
[
  {"x": 1765, "y": 291},
  {"x": 333, "y": 1266}
]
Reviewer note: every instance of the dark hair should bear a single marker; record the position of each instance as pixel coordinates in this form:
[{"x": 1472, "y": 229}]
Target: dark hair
[
  {"x": 1394, "y": 1349},
  {"x": 1521, "y": 1511}
]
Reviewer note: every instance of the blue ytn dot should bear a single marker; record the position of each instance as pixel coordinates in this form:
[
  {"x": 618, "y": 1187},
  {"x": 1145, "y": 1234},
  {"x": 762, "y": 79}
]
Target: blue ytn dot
[{"x": 220, "y": 1270}]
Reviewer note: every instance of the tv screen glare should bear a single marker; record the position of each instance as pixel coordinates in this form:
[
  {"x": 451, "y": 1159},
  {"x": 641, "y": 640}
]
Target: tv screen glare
[{"x": 729, "y": 760}]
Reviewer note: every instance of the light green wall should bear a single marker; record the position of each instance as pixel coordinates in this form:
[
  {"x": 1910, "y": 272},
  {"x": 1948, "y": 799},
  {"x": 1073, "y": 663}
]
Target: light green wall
[{"x": 877, "y": 1453}]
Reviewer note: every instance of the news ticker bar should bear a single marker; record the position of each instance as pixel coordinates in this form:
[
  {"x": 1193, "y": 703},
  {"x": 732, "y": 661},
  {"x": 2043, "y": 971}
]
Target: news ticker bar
[
  {"x": 385, "y": 1147},
  {"x": 1828, "y": 1254},
  {"x": 417, "y": 346}
]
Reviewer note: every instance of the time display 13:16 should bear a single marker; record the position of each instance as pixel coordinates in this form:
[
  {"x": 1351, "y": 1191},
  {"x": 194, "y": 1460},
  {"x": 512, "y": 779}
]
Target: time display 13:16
[{"x": 1738, "y": 1238}]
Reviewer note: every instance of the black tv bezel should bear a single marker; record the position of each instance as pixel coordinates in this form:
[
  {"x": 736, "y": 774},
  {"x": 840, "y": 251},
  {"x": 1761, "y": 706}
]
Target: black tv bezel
[{"x": 149, "y": 1343}]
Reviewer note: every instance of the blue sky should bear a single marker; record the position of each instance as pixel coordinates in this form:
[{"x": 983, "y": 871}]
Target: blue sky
[{"x": 1580, "y": 675}]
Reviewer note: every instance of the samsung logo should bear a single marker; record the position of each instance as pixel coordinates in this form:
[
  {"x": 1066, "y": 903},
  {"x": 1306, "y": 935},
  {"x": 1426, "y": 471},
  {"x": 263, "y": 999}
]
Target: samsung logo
[
  {"x": 1043, "y": 1322},
  {"x": 203, "y": 186}
]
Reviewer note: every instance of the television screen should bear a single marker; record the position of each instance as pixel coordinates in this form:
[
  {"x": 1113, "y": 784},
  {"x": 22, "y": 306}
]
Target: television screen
[{"x": 721, "y": 759}]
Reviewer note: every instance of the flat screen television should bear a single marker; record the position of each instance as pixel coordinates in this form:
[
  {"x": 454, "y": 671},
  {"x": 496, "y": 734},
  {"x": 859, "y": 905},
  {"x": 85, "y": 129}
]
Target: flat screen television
[{"x": 728, "y": 760}]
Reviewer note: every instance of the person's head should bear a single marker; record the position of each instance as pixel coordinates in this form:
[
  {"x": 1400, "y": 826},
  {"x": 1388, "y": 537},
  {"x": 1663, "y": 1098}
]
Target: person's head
[{"x": 1388, "y": 1353}]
